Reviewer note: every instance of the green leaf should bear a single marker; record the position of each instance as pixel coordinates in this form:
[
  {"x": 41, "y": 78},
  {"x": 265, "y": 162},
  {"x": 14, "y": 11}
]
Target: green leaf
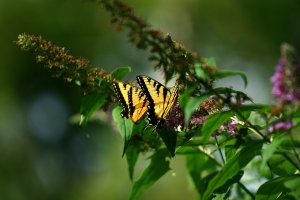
[
  {"x": 155, "y": 170},
  {"x": 196, "y": 164},
  {"x": 190, "y": 105},
  {"x": 232, "y": 167},
  {"x": 210, "y": 61},
  {"x": 226, "y": 90},
  {"x": 281, "y": 165},
  {"x": 132, "y": 155},
  {"x": 288, "y": 143},
  {"x": 185, "y": 96},
  {"x": 213, "y": 122},
  {"x": 124, "y": 125},
  {"x": 293, "y": 185},
  {"x": 91, "y": 103},
  {"x": 120, "y": 72},
  {"x": 295, "y": 117},
  {"x": 221, "y": 196},
  {"x": 222, "y": 74},
  {"x": 200, "y": 73},
  {"x": 254, "y": 107},
  {"x": 169, "y": 138},
  {"x": 276, "y": 189},
  {"x": 230, "y": 148},
  {"x": 268, "y": 151},
  {"x": 196, "y": 142},
  {"x": 229, "y": 182}
]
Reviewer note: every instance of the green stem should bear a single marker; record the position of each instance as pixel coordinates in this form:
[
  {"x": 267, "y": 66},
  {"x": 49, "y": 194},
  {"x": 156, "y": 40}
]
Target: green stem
[
  {"x": 290, "y": 160},
  {"x": 220, "y": 152},
  {"x": 251, "y": 127},
  {"x": 246, "y": 190}
]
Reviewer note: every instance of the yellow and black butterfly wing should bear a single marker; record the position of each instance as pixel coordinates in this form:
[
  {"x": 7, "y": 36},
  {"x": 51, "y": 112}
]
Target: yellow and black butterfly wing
[
  {"x": 132, "y": 99},
  {"x": 161, "y": 101},
  {"x": 171, "y": 101}
]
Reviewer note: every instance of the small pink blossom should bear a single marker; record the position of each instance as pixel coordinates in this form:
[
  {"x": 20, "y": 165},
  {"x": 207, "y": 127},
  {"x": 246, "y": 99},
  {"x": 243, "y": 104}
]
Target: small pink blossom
[
  {"x": 286, "y": 81},
  {"x": 281, "y": 125}
]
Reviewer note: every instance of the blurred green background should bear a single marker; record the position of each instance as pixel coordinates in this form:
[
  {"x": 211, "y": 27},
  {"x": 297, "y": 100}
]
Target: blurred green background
[{"x": 44, "y": 156}]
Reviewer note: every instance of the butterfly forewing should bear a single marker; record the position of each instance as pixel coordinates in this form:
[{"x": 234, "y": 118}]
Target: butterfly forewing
[
  {"x": 171, "y": 101},
  {"x": 161, "y": 101}
]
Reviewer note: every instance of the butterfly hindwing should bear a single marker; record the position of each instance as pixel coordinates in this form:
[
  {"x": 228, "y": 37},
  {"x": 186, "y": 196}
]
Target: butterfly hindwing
[
  {"x": 160, "y": 99},
  {"x": 132, "y": 99}
]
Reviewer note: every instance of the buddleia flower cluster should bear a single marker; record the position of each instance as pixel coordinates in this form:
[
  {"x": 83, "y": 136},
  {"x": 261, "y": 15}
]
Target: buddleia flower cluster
[
  {"x": 175, "y": 120},
  {"x": 286, "y": 88},
  {"x": 281, "y": 125},
  {"x": 286, "y": 79}
]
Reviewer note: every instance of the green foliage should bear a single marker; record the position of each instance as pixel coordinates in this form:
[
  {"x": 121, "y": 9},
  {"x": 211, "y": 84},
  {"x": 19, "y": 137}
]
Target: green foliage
[
  {"x": 132, "y": 155},
  {"x": 90, "y": 104},
  {"x": 269, "y": 150},
  {"x": 282, "y": 164},
  {"x": 200, "y": 73},
  {"x": 233, "y": 167},
  {"x": 124, "y": 125},
  {"x": 218, "y": 147},
  {"x": 169, "y": 138},
  {"x": 151, "y": 174},
  {"x": 293, "y": 186},
  {"x": 198, "y": 164},
  {"x": 120, "y": 72},
  {"x": 230, "y": 148},
  {"x": 279, "y": 188},
  {"x": 213, "y": 122}
]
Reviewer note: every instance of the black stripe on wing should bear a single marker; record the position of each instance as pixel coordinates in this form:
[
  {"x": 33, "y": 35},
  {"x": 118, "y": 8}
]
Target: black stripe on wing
[
  {"x": 130, "y": 102},
  {"x": 151, "y": 111},
  {"x": 140, "y": 96},
  {"x": 122, "y": 100}
]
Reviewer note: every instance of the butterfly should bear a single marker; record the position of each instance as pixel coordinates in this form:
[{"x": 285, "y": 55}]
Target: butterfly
[{"x": 153, "y": 98}]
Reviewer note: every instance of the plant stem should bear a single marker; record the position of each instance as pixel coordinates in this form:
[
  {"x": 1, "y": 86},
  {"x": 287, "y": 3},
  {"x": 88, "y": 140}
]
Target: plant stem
[
  {"x": 290, "y": 160},
  {"x": 251, "y": 127},
  {"x": 221, "y": 154},
  {"x": 246, "y": 190}
]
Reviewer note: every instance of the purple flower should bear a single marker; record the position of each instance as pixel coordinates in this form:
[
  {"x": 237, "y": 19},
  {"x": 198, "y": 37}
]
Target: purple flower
[
  {"x": 281, "y": 125},
  {"x": 230, "y": 127},
  {"x": 176, "y": 118},
  {"x": 196, "y": 121},
  {"x": 222, "y": 128},
  {"x": 286, "y": 79}
]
